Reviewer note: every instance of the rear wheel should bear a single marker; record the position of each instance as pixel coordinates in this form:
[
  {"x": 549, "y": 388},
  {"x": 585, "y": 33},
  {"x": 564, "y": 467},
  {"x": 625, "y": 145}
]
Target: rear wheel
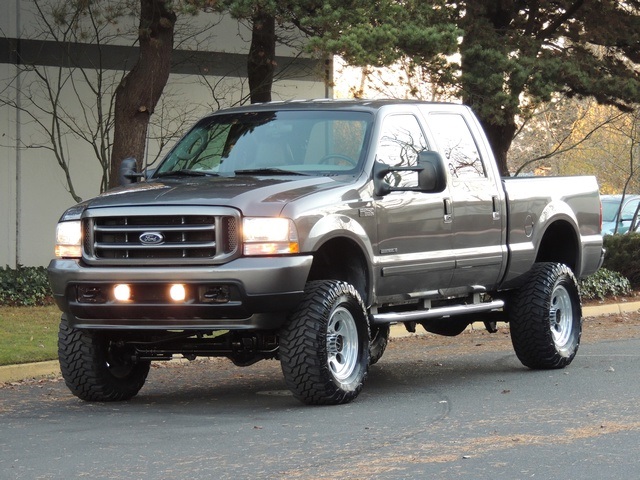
[
  {"x": 324, "y": 348},
  {"x": 546, "y": 317},
  {"x": 96, "y": 368}
]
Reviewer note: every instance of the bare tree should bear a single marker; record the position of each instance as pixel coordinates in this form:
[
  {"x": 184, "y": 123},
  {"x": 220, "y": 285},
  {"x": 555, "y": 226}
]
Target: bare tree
[
  {"x": 68, "y": 69},
  {"x": 63, "y": 27},
  {"x": 547, "y": 135},
  {"x": 581, "y": 137},
  {"x": 630, "y": 130}
]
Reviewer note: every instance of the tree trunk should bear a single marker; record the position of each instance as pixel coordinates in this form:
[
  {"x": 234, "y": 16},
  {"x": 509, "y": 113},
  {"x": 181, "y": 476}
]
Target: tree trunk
[
  {"x": 500, "y": 138},
  {"x": 261, "y": 62},
  {"x": 140, "y": 90}
]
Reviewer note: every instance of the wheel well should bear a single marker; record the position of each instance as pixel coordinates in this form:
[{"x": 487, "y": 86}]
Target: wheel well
[
  {"x": 342, "y": 259},
  {"x": 559, "y": 244}
]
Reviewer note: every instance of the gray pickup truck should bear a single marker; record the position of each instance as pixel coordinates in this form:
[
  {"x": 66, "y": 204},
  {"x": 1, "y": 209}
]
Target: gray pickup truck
[{"x": 301, "y": 231}]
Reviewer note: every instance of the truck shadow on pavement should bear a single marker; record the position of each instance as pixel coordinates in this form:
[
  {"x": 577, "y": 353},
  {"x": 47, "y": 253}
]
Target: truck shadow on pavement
[{"x": 262, "y": 386}]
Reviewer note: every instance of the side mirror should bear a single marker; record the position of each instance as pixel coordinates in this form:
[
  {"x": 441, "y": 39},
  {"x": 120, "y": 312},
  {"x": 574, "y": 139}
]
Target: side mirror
[
  {"x": 430, "y": 170},
  {"x": 431, "y": 178},
  {"x": 128, "y": 172}
]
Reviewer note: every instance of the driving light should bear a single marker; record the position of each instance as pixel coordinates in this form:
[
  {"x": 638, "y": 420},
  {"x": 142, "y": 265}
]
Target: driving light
[
  {"x": 68, "y": 240},
  {"x": 122, "y": 292},
  {"x": 177, "y": 292},
  {"x": 269, "y": 236}
]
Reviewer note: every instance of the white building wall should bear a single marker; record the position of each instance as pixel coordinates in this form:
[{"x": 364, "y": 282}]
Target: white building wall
[
  {"x": 33, "y": 191},
  {"x": 8, "y": 157},
  {"x": 8, "y": 193}
]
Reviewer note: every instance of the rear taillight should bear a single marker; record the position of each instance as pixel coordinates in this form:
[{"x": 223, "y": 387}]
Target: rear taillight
[{"x": 600, "y": 230}]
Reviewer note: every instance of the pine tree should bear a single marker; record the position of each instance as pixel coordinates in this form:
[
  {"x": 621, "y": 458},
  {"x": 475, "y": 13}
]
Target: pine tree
[{"x": 512, "y": 54}]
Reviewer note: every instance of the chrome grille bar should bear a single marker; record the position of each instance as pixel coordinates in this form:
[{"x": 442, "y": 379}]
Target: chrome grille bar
[
  {"x": 186, "y": 235},
  {"x": 165, "y": 246}
]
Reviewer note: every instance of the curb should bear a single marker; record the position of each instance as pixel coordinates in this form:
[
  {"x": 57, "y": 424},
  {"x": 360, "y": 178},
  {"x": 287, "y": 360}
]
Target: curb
[
  {"x": 23, "y": 371},
  {"x": 611, "y": 309},
  {"x": 16, "y": 373}
]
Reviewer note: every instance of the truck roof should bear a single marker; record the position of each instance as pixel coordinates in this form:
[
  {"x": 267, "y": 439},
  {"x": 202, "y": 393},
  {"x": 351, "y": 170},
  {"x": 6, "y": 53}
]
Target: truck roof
[{"x": 328, "y": 104}]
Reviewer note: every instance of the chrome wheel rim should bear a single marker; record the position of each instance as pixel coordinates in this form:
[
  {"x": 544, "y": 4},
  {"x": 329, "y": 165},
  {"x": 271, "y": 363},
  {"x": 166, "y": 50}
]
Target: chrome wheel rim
[
  {"x": 342, "y": 344},
  {"x": 561, "y": 316}
]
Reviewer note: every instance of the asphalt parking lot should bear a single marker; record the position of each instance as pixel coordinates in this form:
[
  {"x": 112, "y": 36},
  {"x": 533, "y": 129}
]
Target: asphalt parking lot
[{"x": 433, "y": 407}]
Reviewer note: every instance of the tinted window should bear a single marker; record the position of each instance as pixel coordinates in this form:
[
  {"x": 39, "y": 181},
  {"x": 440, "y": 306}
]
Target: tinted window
[
  {"x": 455, "y": 141},
  {"x": 401, "y": 141}
]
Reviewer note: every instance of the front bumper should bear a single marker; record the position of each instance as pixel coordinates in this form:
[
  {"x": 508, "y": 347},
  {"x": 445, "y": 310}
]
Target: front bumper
[{"x": 247, "y": 293}]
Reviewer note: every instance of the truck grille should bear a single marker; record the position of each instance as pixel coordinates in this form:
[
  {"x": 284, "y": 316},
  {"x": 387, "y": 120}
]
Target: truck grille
[{"x": 159, "y": 237}]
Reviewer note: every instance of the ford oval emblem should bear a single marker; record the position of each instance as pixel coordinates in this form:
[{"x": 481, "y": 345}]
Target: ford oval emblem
[{"x": 151, "y": 238}]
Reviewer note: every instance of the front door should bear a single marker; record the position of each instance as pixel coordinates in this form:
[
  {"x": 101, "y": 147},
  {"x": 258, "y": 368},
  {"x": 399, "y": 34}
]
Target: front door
[{"x": 413, "y": 254}]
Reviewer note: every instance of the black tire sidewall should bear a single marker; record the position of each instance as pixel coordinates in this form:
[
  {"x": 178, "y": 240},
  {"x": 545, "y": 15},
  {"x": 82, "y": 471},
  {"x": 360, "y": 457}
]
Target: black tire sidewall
[
  {"x": 303, "y": 345},
  {"x": 83, "y": 357},
  {"x": 529, "y": 317}
]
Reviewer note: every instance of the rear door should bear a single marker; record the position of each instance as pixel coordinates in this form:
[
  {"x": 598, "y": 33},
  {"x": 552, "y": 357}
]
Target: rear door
[{"x": 476, "y": 202}]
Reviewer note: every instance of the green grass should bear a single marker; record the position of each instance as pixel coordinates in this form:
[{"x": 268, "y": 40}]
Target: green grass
[{"x": 28, "y": 334}]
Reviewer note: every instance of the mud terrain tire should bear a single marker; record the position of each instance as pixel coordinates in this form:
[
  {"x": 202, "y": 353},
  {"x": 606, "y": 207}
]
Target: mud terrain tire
[
  {"x": 324, "y": 348},
  {"x": 97, "y": 369},
  {"x": 545, "y": 317}
]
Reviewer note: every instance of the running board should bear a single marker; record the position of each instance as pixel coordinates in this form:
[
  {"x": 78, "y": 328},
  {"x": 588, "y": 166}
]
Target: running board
[{"x": 437, "y": 312}]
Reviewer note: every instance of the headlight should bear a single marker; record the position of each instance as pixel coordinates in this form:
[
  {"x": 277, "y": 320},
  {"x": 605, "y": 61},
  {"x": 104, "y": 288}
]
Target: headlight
[
  {"x": 68, "y": 240},
  {"x": 269, "y": 236}
]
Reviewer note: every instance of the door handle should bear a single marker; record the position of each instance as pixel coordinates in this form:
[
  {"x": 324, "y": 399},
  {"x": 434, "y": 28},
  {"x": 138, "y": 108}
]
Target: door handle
[
  {"x": 496, "y": 207},
  {"x": 448, "y": 211}
]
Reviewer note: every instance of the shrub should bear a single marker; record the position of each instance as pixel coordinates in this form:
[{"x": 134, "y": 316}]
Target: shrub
[
  {"x": 24, "y": 287},
  {"x": 623, "y": 256},
  {"x": 604, "y": 283}
]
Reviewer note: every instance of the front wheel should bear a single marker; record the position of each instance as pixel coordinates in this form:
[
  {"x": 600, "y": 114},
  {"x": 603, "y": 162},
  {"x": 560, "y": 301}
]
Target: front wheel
[
  {"x": 324, "y": 348},
  {"x": 379, "y": 341},
  {"x": 96, "y": 368},
  {"x": 545, "y": 317}
]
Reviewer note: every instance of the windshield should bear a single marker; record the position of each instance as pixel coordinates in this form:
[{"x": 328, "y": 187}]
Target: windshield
[
  {"x": 610, "y": 210},
  {"x": 272, "y": 143}
]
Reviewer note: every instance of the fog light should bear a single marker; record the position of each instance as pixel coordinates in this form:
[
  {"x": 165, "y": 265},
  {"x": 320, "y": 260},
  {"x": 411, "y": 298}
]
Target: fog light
[
  {"x": 122, "y": 292},
  {"x": 177, "y": 292}
]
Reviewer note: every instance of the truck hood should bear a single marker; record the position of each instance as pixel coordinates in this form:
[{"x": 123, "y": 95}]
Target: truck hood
[{"x": 251, "y": 194}]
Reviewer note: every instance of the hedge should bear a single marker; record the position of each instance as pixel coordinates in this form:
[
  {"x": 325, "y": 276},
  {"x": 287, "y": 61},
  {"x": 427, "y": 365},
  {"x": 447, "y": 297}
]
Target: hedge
[
  {"x": 623, "y": 256},
  {"x": 24, "y": 287},
  {"x": 604, "y": 283}
]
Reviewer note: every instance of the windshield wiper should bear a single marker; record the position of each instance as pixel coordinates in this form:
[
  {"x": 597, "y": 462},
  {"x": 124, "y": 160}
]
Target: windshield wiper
[
  {"x": 267, "y": 171},
  {"x": 186, "y": 173}
]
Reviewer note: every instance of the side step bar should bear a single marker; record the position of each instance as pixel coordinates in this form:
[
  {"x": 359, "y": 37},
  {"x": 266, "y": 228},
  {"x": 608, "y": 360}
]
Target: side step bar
[{"x": 437, "y": 312}]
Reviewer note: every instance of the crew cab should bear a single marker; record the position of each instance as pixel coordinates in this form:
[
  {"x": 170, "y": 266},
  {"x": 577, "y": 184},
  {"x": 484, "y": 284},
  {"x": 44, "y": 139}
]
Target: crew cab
[{"x": 300, "y": 231}]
